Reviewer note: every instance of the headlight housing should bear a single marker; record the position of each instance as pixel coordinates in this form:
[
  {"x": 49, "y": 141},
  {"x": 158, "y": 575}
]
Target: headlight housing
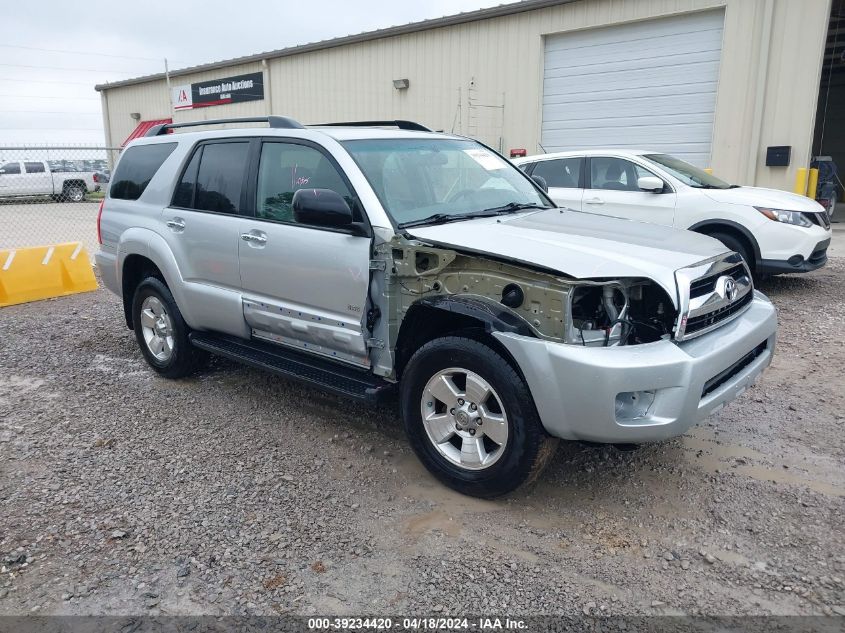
[{"x": 795, "y": 218}]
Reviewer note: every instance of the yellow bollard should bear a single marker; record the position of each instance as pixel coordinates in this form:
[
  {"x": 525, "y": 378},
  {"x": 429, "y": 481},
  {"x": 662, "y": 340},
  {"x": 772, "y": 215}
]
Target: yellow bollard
[
  {"x": 42, "y": 272},
  {"x": 801, "y": 181},
  {"x": 813, "y": 184}
]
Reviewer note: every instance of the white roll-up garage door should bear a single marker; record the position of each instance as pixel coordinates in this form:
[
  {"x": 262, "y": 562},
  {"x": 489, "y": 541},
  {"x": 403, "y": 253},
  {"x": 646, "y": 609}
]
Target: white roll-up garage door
[{"x": 646, "y": 85}]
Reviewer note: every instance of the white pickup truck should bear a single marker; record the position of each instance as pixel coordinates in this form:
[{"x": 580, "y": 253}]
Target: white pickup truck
[{"x": 31, "y": 178}]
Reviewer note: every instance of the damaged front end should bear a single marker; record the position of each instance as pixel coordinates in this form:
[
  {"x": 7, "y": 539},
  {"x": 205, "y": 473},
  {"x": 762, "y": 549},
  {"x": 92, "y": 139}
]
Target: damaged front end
[{"x": 514, "y": 297}]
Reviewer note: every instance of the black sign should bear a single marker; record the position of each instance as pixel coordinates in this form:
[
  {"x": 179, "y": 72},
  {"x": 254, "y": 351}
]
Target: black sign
[{"x": 219, "y": 91}]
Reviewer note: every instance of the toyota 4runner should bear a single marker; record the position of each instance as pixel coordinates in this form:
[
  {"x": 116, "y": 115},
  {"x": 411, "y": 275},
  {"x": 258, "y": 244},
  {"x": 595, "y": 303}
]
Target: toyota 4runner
[{"x": 364, "y": 260}]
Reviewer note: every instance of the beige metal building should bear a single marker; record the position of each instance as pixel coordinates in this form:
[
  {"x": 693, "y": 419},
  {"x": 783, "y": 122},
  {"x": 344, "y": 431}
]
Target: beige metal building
[{"x": 717, "y": 82}]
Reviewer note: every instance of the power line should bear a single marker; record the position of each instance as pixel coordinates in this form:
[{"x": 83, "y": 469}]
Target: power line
[
  {"x": 47, "y": 81},
  {"x": 61, "y": 50},
  {"x": 52, "y": 97},
  {"x": 66, "y": 129},
  {"x": 47, "y": 112},
  {"x": 86, "y": 70}
]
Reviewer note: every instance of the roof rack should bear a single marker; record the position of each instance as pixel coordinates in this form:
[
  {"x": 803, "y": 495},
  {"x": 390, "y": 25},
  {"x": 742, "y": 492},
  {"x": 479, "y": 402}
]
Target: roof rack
[
  {"x": 401, "y": 124},
  {"x": 273, "y": 120}
]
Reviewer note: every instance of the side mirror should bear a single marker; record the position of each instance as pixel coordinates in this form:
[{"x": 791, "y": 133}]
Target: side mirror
[
  {"x": 652, "y": 184},
  {"x": 321, "y": 207},
  {"x": 541, "y": 182}
]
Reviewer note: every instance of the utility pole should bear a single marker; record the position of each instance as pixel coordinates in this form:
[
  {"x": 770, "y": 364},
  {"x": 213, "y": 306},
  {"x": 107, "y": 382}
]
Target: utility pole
[{"x": 169, "y": 91}]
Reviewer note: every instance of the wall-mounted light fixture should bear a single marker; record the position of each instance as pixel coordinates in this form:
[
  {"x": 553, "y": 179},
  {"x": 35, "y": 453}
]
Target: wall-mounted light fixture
[
  {"x": 136, "y": 116},
  {"x": 401, "y": 84}
]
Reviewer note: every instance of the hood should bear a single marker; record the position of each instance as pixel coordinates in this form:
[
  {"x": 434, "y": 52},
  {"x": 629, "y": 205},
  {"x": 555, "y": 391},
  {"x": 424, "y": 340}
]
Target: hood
[
  {"x": 580, "y": 245},
  {"x": 759, "y": 197}
]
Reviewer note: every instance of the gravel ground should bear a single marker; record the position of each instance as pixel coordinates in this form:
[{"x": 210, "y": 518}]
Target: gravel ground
[{"x": 235, "y": 492}]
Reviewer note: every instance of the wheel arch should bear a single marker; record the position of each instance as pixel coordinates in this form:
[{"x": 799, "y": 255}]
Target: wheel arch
[
  {"x": 471, "y": 317},
  {"x": 74, "y": 182},
  {"x": 706, "y": 227},
  {"x": 134, "y": 270}
]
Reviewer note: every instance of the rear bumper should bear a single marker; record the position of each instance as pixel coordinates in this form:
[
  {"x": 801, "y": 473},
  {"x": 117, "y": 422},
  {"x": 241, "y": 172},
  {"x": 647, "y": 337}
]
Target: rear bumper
[
  {"x": 797, "y": 263},
  {"x": 576, "y": 388},
  {"x": 107, "y": 269}
]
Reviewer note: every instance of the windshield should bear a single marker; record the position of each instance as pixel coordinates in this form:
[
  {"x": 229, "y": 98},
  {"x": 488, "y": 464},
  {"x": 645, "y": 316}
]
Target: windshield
[
  {"x": 686, "y": 173},
  {"x": 417, "y": 179}
]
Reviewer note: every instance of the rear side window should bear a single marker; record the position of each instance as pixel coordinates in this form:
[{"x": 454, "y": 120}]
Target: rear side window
[
  {"x": 136, "y": 168},
  {"x": 34, "y": 168},
  {"x": 214, "y": 178},
  {"x": 564, "y": 172}
]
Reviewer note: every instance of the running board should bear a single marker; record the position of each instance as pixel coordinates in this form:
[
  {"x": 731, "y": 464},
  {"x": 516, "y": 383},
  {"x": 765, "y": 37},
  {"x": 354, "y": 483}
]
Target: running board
[{"x": 323, "y": 374}]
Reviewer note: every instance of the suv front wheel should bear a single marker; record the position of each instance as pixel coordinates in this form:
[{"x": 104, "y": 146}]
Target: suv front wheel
[
  {"x": 161, "y": 331},
  {"x": 471, "y": 420}
]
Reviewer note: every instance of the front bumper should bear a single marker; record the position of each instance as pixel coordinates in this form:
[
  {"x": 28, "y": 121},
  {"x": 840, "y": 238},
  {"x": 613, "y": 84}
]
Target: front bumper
[
  {"x": 797, "y": 263},
  {"x": 575, "y": 388}
]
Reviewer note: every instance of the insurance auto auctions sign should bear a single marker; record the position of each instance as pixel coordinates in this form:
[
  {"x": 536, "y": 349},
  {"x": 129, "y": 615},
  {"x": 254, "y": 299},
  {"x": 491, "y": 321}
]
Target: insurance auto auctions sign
[{"x": 218, "y": 91}]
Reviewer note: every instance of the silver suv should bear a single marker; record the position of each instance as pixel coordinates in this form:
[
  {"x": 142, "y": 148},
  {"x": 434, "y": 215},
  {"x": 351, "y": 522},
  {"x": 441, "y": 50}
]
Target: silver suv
[{"x": 365, "y": 260}]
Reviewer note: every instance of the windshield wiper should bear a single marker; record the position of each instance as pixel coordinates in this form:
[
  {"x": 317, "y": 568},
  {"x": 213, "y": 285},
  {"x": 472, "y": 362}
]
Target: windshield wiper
[
  {"x": 443, "y": 218},
  {"x": 510, "y": 207}
]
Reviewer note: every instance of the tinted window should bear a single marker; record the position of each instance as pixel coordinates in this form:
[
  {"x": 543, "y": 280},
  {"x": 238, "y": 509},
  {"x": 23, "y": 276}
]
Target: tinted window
[
  {"x": 563, "y": 172},
  {"x": 11, "y": 168},
  {"x": 34, "y": 168},
  {"x": 136, "y": 168},
  {"x": 284, "y": 169},
  {"x": 184, "y": 195},
  {"x": 220, "y": 177},
  {"x": 615, "y": 174}
]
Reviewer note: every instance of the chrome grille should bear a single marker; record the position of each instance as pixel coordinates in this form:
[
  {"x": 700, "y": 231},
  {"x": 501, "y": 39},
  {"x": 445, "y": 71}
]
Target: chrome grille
[{"x": 712, "y": 293}]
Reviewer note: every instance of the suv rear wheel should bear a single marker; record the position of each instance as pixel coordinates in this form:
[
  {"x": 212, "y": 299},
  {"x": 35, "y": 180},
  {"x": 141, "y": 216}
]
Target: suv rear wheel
[
  {"x": 471, "y": 420},
  {"x": 161, "y": 331}
]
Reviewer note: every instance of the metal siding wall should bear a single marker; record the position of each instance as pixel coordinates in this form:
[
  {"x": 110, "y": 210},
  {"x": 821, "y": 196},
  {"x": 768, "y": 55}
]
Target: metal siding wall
[{"x": 506, "y": 55}]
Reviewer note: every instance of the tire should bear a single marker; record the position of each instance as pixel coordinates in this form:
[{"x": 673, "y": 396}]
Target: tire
[
  {"x": 73, "y": 193},
  {"x": 161, "y": 331},
  {"x": 517, "y": 447},
  {"x": 737, "y": 245}
]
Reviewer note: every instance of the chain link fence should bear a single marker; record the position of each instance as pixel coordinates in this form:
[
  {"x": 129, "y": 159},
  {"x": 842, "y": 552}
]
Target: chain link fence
[{"x": 50, "y": 195}]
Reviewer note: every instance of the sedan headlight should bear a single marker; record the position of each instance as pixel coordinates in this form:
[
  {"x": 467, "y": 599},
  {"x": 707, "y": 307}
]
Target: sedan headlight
[{"x": 787, "y": 217}]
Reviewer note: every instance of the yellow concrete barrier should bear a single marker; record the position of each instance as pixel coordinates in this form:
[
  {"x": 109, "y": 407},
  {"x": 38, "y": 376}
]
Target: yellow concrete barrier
[
  {"x": 813, "y": 183},
  {"x": 41, "y": 272},
  {"x": 801, "y": 181}
]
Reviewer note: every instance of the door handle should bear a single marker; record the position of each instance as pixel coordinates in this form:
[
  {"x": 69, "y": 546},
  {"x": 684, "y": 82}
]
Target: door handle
[
  {"x": 254, "y": 238},
  {"x": 594, "y": 201},
  {"x": 177, "y": 224}
]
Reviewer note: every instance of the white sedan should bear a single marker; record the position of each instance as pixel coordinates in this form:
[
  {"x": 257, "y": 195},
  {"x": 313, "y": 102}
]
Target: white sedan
[{"x": 775, "y": 231}]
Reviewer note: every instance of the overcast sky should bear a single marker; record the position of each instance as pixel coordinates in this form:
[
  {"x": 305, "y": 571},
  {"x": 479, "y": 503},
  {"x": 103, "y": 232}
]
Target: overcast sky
[{"x": 52, "y": 55}]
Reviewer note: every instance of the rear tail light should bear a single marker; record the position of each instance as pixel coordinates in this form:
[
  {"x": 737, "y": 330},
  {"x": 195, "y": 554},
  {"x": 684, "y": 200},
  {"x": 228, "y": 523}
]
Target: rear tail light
[
  {"x": 96, "y": 178},
  {"x": 99, "y": 219}
]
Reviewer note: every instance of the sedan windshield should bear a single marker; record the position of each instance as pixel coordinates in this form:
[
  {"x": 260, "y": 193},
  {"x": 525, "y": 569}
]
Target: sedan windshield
[
  {"x": 428, "y": 181},
  {"x": 686, "y": 173}
]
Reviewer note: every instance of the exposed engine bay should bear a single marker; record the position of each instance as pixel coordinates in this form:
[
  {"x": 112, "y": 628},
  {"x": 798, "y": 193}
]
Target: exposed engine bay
[
  {"x": 595, "y": 313},
  {"x": 626, "y": 312}
]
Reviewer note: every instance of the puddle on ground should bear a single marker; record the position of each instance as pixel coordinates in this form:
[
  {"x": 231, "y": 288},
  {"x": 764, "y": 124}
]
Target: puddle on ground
[{"x": 710, "y": 454}]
